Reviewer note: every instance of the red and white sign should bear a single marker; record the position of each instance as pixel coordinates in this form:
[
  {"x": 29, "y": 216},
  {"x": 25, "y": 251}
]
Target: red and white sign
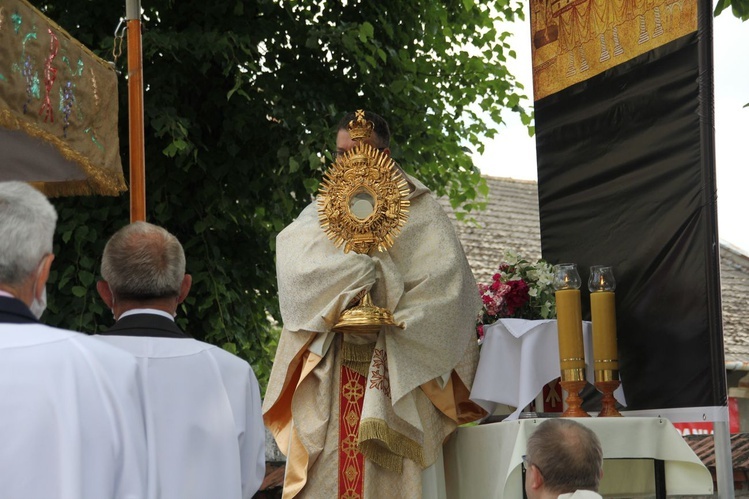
[{"x": 706, "y": 427}]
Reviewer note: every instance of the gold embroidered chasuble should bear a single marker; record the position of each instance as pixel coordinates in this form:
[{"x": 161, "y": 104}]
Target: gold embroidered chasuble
[{"x": 416, "y": 381}]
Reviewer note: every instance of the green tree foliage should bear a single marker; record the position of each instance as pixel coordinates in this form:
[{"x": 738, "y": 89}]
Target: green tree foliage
[
  {"x": 739, "y": 8},
  {"x": 240, "y": 104}
]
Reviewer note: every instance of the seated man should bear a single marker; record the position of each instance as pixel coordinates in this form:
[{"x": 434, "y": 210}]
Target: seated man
[
  {"x": 71, "y": 424},
  {"x": 202, "y": 404},
  {"x": 564, "y": 460}
]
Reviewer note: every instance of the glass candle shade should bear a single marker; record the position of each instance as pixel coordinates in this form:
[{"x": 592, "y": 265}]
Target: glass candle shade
[
  {"x": 569, "y": 322},
  {"x": 601, "y": 278},
  {"x": 566, "y": 276}
]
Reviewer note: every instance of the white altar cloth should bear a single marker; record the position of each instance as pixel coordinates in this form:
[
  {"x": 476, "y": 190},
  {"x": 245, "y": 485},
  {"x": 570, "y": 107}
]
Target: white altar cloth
[
  {"x": 518, "y": 357},
  {"x": 485, "y": 460}
]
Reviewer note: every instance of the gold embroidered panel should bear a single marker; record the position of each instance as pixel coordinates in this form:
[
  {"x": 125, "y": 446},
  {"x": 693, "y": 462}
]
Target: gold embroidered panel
[
  {"x": 58, "y": 108},
  {"x": 573, "y": 40}
]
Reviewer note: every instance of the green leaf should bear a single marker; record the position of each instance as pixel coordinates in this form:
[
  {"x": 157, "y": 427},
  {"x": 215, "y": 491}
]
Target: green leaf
[
  {"x": 397, "y": 86},
  {"x": 170, "y": 150},
  {"x": 200, "y": 226},
  {"x": 720, "y": 6},
  {"x": 86, "y": 278},
  {"x": 311, "y": 184},
  {"x": 78, "y": 291},
  {"x": 366, "y": 31}
]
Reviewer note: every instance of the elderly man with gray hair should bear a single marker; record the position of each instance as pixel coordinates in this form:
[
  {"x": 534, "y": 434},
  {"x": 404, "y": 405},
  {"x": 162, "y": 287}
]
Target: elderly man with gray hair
[
  {"x": 564, "y": 460},
  {"x": 202, "y": 404},
  {"x": 71, "y": 423}
]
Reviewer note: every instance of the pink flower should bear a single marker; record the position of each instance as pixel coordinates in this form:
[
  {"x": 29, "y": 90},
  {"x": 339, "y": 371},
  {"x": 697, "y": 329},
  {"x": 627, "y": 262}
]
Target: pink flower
[
  {"x": 517, "y": 296},
  {"x": 508, "y": 293}
]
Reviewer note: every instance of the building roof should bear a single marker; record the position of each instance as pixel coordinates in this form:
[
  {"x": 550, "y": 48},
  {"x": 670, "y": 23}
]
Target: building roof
[
  {"x": 511, "y": 222},
  {"x": 704, "y": 447}
]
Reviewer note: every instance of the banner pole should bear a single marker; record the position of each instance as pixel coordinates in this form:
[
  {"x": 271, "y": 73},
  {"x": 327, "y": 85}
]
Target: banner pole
[{"x": 135, "y": 112}]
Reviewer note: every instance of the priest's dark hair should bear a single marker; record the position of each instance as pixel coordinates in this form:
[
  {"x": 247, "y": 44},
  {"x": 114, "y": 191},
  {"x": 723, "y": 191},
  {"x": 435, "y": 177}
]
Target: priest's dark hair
[
  {"x": 27, "y": 226},
  {"x": 143, "y": 261},
  {"x": 381, "y": 128},
  {"x": 567, "y": 454}
]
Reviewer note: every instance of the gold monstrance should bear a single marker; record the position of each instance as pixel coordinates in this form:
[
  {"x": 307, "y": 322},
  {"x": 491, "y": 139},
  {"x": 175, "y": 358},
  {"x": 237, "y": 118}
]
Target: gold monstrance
[{"x": 362, "y": 205}]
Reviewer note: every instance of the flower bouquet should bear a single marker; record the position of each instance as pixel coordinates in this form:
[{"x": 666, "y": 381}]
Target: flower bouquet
[{"x": 519, "y": 290}]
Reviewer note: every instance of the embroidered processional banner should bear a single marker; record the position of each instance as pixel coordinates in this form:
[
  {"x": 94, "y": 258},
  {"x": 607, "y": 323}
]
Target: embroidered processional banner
[
  {"x": 58, "y": 108},
  {"x": 624, "y": 123}
]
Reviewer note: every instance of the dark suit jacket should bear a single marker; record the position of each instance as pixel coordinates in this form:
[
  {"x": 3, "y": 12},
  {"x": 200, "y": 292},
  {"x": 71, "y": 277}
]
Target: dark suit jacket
[
  {"x": 145, "y": 325},
  {"x": 15, "y": 311}
]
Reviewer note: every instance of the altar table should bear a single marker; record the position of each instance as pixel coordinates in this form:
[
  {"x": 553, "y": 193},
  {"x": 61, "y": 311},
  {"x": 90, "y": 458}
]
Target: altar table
[
  {"x": 484, "y": 461},
  {"x": 518, "y": 357}
]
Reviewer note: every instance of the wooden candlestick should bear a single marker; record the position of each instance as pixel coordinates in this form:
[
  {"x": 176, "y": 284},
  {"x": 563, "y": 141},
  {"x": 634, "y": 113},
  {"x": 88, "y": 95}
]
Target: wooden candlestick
[
  {"x": 608, "y": 402},
  {"x": 574, "y": 402}
]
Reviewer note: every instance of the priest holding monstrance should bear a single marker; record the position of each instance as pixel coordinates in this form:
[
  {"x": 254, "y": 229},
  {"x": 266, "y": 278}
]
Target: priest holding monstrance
[{"x": 378, "y": 350}]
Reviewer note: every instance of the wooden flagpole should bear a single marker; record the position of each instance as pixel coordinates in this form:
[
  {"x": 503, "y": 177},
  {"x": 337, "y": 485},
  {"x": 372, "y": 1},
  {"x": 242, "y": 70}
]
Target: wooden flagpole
[{"x": 135, "y": 112}]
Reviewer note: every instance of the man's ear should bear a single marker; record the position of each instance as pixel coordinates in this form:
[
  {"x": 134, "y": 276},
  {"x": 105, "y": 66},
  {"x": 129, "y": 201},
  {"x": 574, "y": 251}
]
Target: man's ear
[
  {"x": 106, "y": 294},
  {"x": 536, "y": 478},
  {"x": 184, "y": 288},
  {"x": 41, "y": 277}
]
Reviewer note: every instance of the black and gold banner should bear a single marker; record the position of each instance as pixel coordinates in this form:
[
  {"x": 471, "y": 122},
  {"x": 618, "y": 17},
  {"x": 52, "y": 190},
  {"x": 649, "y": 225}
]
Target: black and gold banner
[{"x": 624, "y": 123}]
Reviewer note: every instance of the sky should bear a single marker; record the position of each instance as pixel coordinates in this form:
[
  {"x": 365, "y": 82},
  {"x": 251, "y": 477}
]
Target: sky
[{"x": 513, "y": 153}]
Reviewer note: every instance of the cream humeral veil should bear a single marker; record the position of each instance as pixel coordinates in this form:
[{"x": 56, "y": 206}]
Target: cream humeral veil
[{"x": 425, "y": 280}]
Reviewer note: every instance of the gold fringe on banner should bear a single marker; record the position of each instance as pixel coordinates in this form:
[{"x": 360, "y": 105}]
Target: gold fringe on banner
[{"x": 98, "y": 181}]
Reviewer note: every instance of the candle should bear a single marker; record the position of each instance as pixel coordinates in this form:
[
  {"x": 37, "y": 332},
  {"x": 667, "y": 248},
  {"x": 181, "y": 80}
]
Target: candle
[
  {"x": 570, "y": 336},
  {"x": 570, "y": 332},
  {"x": 603, "y": 316}
]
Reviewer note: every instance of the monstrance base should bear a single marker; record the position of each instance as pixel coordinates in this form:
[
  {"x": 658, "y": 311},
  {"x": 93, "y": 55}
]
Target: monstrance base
[{"x": 365, "y": 318}]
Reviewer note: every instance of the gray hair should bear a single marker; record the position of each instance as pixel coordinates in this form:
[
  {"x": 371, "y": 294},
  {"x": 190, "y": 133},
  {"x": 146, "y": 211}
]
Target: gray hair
[
  {"x": 143, "y": 261},
  {"x": 567, "y": 454},
  {"x": 27, "y": 227}
]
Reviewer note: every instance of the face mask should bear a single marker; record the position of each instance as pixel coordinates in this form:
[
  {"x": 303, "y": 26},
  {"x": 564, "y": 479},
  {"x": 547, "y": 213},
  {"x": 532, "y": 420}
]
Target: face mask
[{"x": 39, "y": 305}]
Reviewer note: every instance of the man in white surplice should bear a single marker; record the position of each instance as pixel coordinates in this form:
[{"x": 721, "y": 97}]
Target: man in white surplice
[
  {"x": 564, "y": 460},
  {"x": 202, "y": 404},
  {"x": 71, "y": 425}
]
